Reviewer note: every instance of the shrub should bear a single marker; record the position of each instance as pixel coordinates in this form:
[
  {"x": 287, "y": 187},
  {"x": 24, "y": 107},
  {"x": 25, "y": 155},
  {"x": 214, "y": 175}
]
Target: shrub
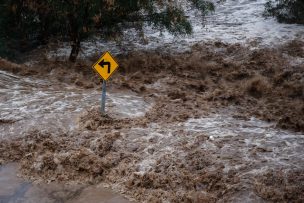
[{"x": 286, "y": 11}]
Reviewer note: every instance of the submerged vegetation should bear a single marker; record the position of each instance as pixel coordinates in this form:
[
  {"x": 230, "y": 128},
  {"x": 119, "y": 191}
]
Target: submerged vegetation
[
  {"x": 29, "y": 23},
  {"x": 286, "y": 11}
]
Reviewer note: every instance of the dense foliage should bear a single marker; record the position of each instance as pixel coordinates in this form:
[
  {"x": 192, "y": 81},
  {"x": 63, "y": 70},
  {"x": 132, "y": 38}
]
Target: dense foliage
[
  {"x": 28, "y": 23},
  {"x": 287, "y": 11}
]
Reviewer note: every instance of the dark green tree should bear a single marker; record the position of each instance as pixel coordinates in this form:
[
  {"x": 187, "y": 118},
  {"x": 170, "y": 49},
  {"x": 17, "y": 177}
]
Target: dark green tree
[
  {"x": 28, "y": 23},
  {"x": 286, "y": 11}
]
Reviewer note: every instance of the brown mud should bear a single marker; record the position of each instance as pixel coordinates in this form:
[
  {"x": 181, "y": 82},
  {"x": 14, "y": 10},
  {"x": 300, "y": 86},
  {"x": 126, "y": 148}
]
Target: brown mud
[{"x": 153, "y": 158}]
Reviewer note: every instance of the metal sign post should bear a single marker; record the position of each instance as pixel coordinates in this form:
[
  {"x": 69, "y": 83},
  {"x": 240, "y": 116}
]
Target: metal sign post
[
  {"x": 105, "y": 67},
  {"x": 103, "y": 97}
]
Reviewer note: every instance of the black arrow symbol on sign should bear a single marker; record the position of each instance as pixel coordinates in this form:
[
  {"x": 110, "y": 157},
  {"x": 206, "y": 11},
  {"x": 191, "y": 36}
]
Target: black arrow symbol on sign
[{"x": 105, "y": 63}]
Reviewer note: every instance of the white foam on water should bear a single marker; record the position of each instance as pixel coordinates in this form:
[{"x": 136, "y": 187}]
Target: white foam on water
[
  {"x": 219, "y": 125},
  {"x": 237, "y": 143},
  {"x": 233, "y": 21},
  {"x": 128, "y": 105},
  {"x": 275, "y": 146},
  {"x": 29, "y": 103}
]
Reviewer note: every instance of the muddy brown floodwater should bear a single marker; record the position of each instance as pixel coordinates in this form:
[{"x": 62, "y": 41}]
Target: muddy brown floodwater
[
  {"x": 29, "y": 103},
  {"x": 232, "y": 132},
  {"x": 14, "y": 189}
]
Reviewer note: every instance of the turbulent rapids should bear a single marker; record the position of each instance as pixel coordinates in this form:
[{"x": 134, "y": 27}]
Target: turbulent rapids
[
  {"x": 28, "y": 103},
  {"x": 215, "y": 117},
  {"x": 233, "y": 21}
]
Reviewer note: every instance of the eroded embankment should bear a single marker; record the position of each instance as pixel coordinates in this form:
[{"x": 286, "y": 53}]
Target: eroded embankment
[{"x": 198, "y": 141}]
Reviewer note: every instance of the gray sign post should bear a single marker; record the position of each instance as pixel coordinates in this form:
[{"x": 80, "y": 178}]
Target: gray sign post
[
  {"x": 105, "y": 67},
  {"x": 103, "y": 97}
]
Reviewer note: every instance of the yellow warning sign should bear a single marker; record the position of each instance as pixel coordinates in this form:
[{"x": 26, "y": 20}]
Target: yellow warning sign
[{"x": 105, "y": 66}]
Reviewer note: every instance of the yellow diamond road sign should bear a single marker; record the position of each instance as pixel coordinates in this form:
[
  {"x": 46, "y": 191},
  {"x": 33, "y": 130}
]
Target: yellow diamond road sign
[{"x": 105, "y": 66}]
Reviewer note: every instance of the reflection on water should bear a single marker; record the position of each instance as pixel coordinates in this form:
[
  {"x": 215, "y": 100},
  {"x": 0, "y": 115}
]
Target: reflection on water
[{"x": 14, "y": 189}]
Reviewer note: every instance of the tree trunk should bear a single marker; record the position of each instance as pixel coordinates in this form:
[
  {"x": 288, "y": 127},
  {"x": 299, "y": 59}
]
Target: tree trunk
[
  {"x": 74, "y": 37},
  {"x": 75, "y": 50}
]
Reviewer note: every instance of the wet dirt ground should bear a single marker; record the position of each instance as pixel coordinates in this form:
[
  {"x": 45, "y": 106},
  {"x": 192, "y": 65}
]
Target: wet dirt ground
[{"x": 232, "y": 132}]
